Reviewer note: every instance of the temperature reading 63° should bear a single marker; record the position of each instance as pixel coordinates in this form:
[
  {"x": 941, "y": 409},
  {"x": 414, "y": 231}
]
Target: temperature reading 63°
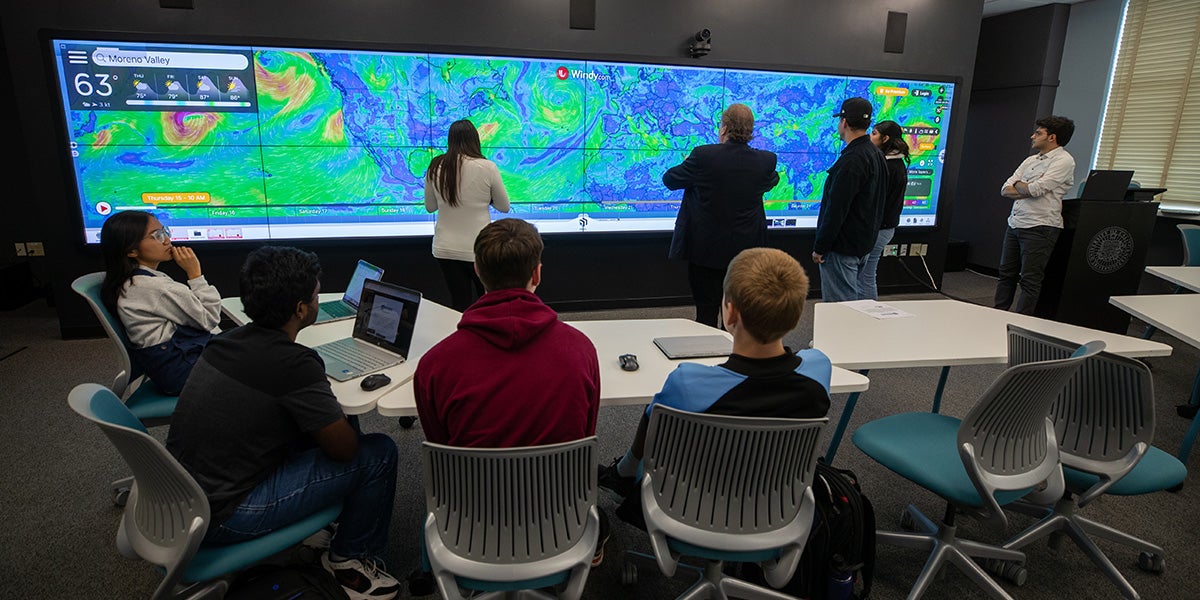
[{"x": 86, "y": 85}]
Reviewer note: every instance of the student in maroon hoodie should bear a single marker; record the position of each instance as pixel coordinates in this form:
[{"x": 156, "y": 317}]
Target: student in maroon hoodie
[{"x": 513, "y": 374}]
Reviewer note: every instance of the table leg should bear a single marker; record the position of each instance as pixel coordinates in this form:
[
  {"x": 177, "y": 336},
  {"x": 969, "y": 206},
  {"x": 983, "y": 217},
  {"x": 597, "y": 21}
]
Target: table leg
[
  {"x": 847, "y": 412},
  {"x": 937, "y": 396}
]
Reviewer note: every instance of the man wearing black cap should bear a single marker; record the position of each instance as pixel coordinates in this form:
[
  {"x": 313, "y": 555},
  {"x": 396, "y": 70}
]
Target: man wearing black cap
[{"x": 851, "y": 205}]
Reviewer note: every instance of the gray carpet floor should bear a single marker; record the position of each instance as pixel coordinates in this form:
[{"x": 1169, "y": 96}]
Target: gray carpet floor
[{"x": 59, "y": 523}]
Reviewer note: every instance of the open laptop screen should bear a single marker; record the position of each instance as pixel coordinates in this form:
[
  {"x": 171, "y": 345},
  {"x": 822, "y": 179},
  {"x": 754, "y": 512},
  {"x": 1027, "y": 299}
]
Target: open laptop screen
[
  {"x": 363, "y": 272},
  {"x": 387, "y": 316}
]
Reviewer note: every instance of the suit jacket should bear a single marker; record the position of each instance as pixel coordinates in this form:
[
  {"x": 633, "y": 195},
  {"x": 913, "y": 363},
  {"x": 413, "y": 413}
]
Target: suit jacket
[{"x": 722, "y": 210}]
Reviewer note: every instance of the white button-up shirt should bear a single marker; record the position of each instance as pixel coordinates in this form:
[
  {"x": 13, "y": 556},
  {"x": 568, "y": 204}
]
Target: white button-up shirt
[{"x": 1049, "y": 176}]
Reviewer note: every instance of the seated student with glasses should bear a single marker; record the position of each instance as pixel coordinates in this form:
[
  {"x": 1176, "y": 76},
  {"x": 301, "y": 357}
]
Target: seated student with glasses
[{"x": 168, "y": 323}]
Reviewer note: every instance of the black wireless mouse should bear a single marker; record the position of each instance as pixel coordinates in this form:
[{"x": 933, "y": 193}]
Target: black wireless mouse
[
  {"x": 374, "y": 382},
  {"x": 628, "y": 362}
]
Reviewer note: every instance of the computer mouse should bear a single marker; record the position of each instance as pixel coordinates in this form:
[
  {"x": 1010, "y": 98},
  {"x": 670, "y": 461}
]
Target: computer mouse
[
  {"x": 628, "y": 362},
  {"x": 374, "y": 382}
]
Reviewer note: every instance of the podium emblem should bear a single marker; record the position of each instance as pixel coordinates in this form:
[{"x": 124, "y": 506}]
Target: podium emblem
[{"x": 1110, "y": 250}]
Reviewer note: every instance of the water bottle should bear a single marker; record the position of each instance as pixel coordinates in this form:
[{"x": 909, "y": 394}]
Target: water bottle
[{"x": 841, "y": 585}]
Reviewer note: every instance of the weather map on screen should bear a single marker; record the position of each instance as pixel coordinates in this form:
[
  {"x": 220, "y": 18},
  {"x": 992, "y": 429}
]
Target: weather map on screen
[{"x": 253, "y": 142}]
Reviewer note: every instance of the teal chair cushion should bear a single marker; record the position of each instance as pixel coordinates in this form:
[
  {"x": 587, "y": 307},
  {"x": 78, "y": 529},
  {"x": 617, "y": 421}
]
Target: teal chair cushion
[
  {"x": 687, "y": 549},
  {"x": 213, "y": 561},
  {"x": 922, "y": 447},
  {"x": 147, "y": 403},
  {"x": 512, "y": 586},
  {"x": 1156, "y": 471}
]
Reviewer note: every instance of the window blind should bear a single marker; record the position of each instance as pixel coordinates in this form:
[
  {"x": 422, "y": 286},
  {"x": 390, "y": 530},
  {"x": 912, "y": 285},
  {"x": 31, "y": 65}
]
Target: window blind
[{"x": 1152, "y": 119}]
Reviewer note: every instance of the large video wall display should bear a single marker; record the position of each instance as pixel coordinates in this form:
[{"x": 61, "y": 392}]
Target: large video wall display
[{"x": 254, "y": 142}]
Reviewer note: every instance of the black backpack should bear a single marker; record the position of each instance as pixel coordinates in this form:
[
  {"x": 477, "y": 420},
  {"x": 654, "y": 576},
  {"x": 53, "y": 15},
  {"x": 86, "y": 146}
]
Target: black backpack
[
  {"x": 841, "y": 544},
  {"x": 290, "y": 582}
]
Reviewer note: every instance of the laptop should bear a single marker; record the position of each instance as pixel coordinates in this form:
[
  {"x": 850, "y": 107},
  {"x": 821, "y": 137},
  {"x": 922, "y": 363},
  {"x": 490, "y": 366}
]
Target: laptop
[
  {"x": 383, "y": 332},
  {"x": 1106, "y": 185},
  {"x": 347, "y": 306},
  {"x": 694, "y": 346}
]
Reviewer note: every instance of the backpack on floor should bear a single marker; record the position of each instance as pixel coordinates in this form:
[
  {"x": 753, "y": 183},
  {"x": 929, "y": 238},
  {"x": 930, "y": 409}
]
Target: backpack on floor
[
  {"x": 839, "y": 557},
  {"x": 286, "y": 582}
]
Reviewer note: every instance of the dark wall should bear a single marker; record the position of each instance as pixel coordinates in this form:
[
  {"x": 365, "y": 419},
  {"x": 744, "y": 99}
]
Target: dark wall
[
  {"x": 831, "y": 35},
  {"x": 1016, "y": 77}
]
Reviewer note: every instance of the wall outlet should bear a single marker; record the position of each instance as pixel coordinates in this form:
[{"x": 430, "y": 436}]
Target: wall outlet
[
  {"x": 34, "y": 249},
  {"x": 920, "y": 249},
  {"x": 890, "y": 250},
  {"x": 20, "y": 247},
  {"x": 903, "y": 249}
]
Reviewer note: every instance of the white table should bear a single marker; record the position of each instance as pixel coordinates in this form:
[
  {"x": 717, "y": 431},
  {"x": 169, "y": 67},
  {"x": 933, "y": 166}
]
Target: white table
[
  {"x": 434, "y": 322},
  {"x": 1178, "y": 315},
  {"x": 617, "y": 387},
  {"x": 1185, "y": 277},
  {"x": 941, "y": 333}
]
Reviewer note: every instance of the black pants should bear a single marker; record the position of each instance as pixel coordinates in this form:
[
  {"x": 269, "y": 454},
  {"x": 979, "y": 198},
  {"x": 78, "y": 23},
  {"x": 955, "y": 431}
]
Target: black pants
[
  {"x": 464, "y": 284},
  {"x": 707, "y": 289},
  {"x": 1023, "y": 261}
]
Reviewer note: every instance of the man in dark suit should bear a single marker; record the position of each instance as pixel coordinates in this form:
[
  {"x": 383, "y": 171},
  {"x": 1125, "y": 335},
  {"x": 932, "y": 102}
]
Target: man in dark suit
[{"x": 722, "y": 210}]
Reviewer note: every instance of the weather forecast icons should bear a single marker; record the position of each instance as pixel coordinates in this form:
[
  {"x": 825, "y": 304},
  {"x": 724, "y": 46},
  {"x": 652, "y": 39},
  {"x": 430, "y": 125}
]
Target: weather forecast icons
[{"x": 104, "y": 76}]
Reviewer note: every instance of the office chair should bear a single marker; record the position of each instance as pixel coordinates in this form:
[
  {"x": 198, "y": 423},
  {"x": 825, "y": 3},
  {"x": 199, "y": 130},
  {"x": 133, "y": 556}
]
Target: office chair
[
  {"x": 1190, "y": 235},
  {"x": 1104, "y": 424},
  {"x": 167, "y": 514},
  {"x": 1001, "y": 451},
  {"x": 510, "y": 521},
  {"x": 723, "y": 488}
]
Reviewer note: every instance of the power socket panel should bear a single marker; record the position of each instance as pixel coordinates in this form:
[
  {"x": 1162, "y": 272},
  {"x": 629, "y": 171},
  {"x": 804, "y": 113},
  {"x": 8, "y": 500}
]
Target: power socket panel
[
  {"x": 34, "y": 249},
  {"x": 20, "y": 248}
]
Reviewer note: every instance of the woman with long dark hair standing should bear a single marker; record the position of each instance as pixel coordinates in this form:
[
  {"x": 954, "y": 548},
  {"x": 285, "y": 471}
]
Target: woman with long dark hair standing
[
  {"x": 889, "y": 138},
  {"x": 460, "y": 186},
  {"x": 168, "y": 323}
]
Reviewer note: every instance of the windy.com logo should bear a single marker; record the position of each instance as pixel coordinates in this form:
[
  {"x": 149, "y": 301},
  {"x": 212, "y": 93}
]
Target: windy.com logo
[{"x": 564, "y": 74}]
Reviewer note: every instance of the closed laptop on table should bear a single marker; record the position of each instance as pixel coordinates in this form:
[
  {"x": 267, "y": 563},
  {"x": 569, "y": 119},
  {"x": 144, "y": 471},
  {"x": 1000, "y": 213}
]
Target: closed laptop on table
[
  {"x": 694, "y": 346},
  {"x": 383, "y": 332},
  {"x": 347, "y": 306}
]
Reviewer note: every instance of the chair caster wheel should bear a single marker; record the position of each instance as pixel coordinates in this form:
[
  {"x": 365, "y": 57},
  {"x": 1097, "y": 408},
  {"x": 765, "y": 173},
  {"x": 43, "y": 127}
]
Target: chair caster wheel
[
  {"x": 407, "y": 422},
  {"x": 421, "y": 583},
  {"x": 1152, "y": 563},
  {"x": 907, "y": 522},
  {"x": 1010, "y": 571},
  {"x": 629, "y": 573},
  {"x": 120, "y": 496}
]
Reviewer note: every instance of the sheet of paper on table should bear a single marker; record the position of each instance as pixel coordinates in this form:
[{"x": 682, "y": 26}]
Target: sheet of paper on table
[{"x": 876, "y": 309}]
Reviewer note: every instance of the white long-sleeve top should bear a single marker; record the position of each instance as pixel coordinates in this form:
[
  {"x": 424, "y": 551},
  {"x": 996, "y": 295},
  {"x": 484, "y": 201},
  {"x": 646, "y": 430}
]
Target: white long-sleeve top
[
  {"x": 1049, "y": 176},
  {"x": 152, "y": 307},
  {"x": 479, "y": 186}
]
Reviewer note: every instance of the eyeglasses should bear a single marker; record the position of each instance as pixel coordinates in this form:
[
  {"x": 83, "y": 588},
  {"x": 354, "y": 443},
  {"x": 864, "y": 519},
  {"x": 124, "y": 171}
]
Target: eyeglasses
[{"x": 162, "y": 234}]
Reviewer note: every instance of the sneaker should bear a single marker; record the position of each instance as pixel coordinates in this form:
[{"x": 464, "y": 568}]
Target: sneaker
[
  {"x": 605, "y": 533},
  {"x": 362, "y": 579},
  {"x": 610, "y": 479},
  {"x": 320, "y": 540}
]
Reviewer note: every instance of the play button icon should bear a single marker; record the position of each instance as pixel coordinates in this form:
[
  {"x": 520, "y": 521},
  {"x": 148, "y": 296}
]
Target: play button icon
[{"x": 103, "y": 208}]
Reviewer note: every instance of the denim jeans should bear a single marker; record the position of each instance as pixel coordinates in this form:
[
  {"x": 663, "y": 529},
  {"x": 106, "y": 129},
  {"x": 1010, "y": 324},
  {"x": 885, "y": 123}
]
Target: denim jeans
[
  {"x": 1023, "y": 262},
  {"x": 867, "y": 288},
  {"x": 310, "y": 481},
  {"x": 839, "y": 277}
]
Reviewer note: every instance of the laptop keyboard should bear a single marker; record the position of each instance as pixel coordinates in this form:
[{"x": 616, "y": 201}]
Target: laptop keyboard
[
  {"x": 337, "y": 309},
  {"x": 354, "y": 356}
]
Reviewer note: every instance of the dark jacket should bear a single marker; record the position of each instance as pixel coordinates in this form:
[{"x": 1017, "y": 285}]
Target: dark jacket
[
  {"x": 897, "y": 184},
  {"x": 852, "y": 204},
  {"x": 722, "y": 210}
]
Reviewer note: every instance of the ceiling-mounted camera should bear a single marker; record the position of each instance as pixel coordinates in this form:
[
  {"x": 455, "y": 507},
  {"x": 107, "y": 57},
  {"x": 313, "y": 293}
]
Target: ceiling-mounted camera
[{"x": 700, "y": 43}]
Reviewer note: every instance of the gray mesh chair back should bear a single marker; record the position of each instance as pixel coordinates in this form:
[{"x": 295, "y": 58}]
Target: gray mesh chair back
[
  {"x": 88, "y": 286},
  {"x": 1104, "y": 417},
  {"x": 510, "y": 515},
  {"x": 1007, "y": 441},
  {"x": 735, "y": 484},
  {"x": 167, "y": 513}
]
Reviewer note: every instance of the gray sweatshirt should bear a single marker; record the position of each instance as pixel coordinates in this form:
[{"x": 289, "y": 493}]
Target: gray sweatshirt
[{"x": 151, "y": 308}]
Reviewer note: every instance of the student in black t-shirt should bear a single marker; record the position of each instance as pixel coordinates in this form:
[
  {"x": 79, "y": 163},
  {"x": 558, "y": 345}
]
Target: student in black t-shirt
[{"x": 258, "y": 427}]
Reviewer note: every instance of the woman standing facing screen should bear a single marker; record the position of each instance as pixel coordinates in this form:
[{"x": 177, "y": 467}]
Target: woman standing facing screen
[
  {"x": 168, "y": 323},
  {"x": 889, "y": 138},
  {"x": 460, "y": 185}
]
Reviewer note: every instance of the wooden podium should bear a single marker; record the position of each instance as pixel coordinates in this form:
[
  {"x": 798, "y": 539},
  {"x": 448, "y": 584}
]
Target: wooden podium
[{"x": 1100, "y": 253}]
